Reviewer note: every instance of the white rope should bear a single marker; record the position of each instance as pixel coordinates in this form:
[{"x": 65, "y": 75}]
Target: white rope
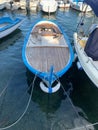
[
  {"x": 71, "y": 102},
  {"x": 9, "y": 126},
  {"x": 79, "y": 128}
]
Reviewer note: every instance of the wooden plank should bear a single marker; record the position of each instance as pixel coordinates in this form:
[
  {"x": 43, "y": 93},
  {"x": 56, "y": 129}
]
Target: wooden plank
[{"x": 42, "y": 58}]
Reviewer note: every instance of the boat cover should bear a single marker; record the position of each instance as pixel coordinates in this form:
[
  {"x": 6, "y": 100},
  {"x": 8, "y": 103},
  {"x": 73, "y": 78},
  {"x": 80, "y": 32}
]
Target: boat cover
[
  {"x": 91, "y": 47},
  {"x": 93, "y": 4}
]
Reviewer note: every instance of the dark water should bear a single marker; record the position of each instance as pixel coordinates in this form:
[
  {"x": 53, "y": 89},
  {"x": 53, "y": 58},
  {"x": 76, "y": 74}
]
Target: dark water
[{"x": 45, "y": 112}]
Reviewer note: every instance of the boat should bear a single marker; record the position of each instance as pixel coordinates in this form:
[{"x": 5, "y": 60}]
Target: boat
[
  {"x": 63, "y": 4},
  {"x": 11, "y": 5},
  {"x": 7, "y": 25},
  {"x": 48, "y": 6},
  {"x": 2, "y": 5},
  {"x": 22, "y": 4},
  {"x": 47, "y": 53},
  {"x": 80, "y": 5},
  {"x": 87, "y": 47}
]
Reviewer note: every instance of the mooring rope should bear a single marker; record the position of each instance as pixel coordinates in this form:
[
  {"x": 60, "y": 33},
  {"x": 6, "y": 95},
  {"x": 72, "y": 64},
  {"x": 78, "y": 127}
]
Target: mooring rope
[
  {"x": 79, "y": 128},
  {"x": 71, "y": 102},
  {"x": 13, "y": 124}
]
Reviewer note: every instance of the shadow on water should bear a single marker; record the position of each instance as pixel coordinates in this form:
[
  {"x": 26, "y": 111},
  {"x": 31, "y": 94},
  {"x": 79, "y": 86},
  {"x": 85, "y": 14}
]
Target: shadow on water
[
  {"x": 58, "y": 103},
  {"x": 46, "y": 112},
  {"x": 6, "y": 41},
  {"x": 85, "y": 94},
  {"x": 48, "y": 103}
]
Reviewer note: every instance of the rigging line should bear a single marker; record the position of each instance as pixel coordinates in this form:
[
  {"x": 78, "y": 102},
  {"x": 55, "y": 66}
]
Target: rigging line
[
  {"x": 71, "y": 102},
  {"x": 82, "y": 16},
  {"x": 81, "y": 21},
  {"x": 9, "y": 126},
  {"x": 79, "y": 128}
]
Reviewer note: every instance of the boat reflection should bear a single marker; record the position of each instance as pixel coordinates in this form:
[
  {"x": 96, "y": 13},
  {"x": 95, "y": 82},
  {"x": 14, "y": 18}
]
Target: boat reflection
[{"x": 48, "y": 103}]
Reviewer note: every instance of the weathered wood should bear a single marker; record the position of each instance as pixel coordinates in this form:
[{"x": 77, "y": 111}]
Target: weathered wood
[{"x": 42, "y": 58}]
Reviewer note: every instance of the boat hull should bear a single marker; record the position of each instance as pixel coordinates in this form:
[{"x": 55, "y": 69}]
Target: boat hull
[
  {"x": 2, "y": 6},
  {"x": 44, "y": 54},
  {"x": 80, "y": 6},
  {"x": 86, "y": 62},
  {"x": 49, "y": 6},
  {"x": 10, "y": 28}
]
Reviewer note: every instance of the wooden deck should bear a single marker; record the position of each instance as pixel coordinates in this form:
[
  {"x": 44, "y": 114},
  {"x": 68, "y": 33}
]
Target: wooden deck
[{"x": 42, "y": 58}]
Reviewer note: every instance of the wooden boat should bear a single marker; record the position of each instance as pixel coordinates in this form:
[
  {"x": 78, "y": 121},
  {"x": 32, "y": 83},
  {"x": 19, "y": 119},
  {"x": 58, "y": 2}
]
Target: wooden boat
[
  {"x": 80, "y": 5},
  {"x": 7, "y": 25},
  {"x": 49, "y": 6},
  {"x": 47, "y": 53},
  {"x": 22, "y": 4}
]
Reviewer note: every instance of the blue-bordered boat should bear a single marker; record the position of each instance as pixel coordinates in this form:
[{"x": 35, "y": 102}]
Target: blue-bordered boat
[
  {"x": 7, "y": 25},
  {"x": 47, "y": 53}
]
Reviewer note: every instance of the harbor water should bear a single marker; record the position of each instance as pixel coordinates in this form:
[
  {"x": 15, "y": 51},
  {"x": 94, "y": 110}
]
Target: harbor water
[{"x": 22, "y": 107}]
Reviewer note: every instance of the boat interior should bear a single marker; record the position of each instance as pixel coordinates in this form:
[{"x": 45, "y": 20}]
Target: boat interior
[
  {"x": 46, "y": 35},
  {"x": 3, "y": 24},
  {"x": 82, "y": 43},
  {"x": 47, "y": 47}
]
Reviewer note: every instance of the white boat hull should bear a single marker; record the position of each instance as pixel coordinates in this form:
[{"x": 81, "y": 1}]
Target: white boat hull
[
  {"x": 80, "y": 6},
  {"x": 61, "y": 4},
  {"x": 2, "y": 6},
  {"x": 49, "y": 6},
  {"x": 90, "y": 67}
]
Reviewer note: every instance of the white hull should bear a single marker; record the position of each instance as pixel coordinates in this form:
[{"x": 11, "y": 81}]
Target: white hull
[
  {"x": 33, "y": 6},
  {"x": 2, "y": 6},
  {"x": 64, "y": 5},
  {"x": 9, "y": 30},
  {"x": 80, "y": 6},
  {"x": 49, "y": 6},
  {"x": 15, "y": 6},
  {"x": 61, "y": 4},
  {"x": 89, "y": 66}
]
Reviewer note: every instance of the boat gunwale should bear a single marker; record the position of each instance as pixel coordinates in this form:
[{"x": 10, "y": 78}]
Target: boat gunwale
[
  {"x": 11, "y": 23},
  {"x": 42, "y": 74}
]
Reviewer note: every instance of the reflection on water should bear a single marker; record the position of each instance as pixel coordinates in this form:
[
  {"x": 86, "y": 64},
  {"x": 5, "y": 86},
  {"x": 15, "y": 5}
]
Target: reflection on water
[
  {"x": 45, "y": 112},
  {"x": 5, "y": 42}
]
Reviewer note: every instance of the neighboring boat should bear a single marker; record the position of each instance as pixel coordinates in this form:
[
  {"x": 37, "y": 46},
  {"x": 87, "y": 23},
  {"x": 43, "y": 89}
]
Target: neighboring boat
[
  {"x": 63, "y": 4},
  {"x": 33, "y": 5},
  {"x": 2, "y": 5},
  {"x": 47, "y": 53},
  {"x": 49, "y": 6},
  {"x": 87, "y": 48},
  {"x": 22, "y": 4},
  {"x": 87, "y": 52},
  {"x": 7, "y": 25},
  {"x": 11, "y": 5},
  {"x": 80, "y": 5}
]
